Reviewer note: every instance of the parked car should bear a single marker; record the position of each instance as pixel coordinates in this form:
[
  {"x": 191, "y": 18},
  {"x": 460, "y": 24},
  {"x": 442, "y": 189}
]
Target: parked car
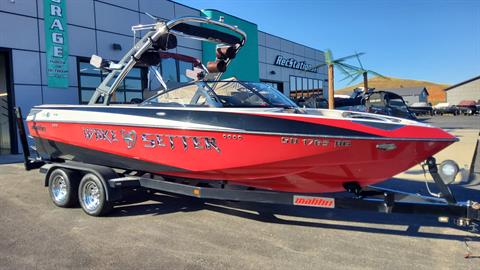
[
  {"x": 467, "y": 107},
  {"x": 445, "y": 108},
  {"x": 421, "y": 108}
]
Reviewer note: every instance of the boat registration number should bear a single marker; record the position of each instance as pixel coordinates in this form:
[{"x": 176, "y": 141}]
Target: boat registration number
[{"x": 315, "y": 142}]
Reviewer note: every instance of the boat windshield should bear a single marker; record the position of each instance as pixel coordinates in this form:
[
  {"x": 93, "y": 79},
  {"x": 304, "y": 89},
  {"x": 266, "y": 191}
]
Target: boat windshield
[
  {"x": 250, "y": 94},
  {"x": 399, "y": 104},
  {"x": 222, "y": 94}
]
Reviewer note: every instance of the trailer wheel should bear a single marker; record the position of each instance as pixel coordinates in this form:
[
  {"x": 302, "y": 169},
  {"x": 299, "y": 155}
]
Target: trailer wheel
[
  {"x": 92, "y": 196},
  {"x": 63, "y": 187}
]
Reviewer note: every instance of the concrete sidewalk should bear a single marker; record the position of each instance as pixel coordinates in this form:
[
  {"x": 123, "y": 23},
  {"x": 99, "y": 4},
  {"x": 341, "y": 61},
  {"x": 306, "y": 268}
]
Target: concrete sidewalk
[{"x": 462, "y": 152}]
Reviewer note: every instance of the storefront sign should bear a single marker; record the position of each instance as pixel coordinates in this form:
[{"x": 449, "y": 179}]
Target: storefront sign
[
  {"x": 292, "y": 63},
  {"x": 56, "y": 42}
]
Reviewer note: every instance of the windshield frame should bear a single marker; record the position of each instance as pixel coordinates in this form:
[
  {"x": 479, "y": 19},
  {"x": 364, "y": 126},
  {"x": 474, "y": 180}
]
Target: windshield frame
[
  {"x": 274, "y": 91},
  {"x": 205, "y": 84}
]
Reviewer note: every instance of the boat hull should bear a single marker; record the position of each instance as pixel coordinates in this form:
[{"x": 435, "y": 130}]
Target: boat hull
[{"x": 283, "y": 162}]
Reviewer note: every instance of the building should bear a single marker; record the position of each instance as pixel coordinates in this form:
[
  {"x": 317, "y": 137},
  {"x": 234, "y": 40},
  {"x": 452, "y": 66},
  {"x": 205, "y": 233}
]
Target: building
[
  {"x": 467, "y": 90},
  {"x": 410, "y": 94},
  {"x": 31, "y": 37}
]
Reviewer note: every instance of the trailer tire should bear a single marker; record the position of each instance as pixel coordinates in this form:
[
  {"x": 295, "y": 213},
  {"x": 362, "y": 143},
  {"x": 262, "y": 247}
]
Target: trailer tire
[
  {"x": 63, "y": 187},
  {"x": 92, "y": 196}
]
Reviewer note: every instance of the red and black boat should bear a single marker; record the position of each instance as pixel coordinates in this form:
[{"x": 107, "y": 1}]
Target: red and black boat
[{"x": 245, "y": 133}]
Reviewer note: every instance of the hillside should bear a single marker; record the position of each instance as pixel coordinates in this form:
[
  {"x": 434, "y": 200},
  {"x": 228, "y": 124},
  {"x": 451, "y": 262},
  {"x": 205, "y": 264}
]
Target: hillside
[{"x": 434, "y": 89}]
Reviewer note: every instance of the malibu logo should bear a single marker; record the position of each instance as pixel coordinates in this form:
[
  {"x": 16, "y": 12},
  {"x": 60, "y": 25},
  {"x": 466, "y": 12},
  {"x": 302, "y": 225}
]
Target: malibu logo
[
  {"x": 292, "y": 63},
  {"x": 314, "y": 201}
]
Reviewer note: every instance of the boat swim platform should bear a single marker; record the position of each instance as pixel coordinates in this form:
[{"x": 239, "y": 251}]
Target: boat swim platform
[{"x": 462, "y": 152}]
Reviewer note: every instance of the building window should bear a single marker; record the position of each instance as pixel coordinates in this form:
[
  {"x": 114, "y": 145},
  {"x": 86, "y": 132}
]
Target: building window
[
  {"x": 276, "y": 85},
  {"x": 182, "y": 67},
  {"x": 130, "y": 90},
  {"x": 301, "y": 87},
  {"x": 293, "y": 87},
  {"x": 299, "y": 83},
  {"x": 169, "y": 70},
  {"x": 173, "y": 73}
]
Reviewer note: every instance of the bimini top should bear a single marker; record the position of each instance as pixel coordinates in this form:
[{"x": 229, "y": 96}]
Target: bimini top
[{"x": 206, "y": 34}]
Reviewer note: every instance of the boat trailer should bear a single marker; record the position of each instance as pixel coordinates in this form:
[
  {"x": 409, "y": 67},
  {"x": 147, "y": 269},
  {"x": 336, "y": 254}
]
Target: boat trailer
[{"x": 107, "y": 185}]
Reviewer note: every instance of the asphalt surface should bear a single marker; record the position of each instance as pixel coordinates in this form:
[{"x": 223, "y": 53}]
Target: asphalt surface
[
  {"x": 155, "y": 231},
  {"x": 460, "y": 122},
  {"x": 450, "y": 121}
]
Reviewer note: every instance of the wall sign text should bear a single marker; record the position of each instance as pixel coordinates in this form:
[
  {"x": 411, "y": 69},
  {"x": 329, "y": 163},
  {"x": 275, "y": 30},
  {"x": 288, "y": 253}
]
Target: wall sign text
[
  {"x": 56, "y": 43},
  {"x": 292, "y": 63}
]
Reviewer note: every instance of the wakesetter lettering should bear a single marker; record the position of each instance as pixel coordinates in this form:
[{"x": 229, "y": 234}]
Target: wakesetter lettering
[
  {"x": 100, "y": 134},
  {"x": 186, "y": 142},
  {"x": 151, "y": 140}
]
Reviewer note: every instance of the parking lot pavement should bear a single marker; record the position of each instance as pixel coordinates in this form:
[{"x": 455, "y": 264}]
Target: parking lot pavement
[
  {"x": 460, "y": 122},
  {"x": 450, "y": 121},
  {"x": 156, "y": 231},
  {"x": 462, "y": 151},
  {"x": 166, "y": 232}
]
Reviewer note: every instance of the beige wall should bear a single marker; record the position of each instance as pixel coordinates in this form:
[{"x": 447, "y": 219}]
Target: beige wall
[{"x": 470, "y": 90}]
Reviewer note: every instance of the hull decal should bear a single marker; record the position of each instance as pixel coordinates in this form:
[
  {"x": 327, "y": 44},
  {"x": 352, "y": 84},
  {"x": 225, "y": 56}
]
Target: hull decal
[
  {"x": 221, "y": 121},
  {"x": 196, "y": 120}
]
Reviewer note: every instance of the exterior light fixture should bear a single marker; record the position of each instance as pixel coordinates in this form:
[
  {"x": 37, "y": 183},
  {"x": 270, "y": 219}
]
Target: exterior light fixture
[{"x": 448, "y": 170}]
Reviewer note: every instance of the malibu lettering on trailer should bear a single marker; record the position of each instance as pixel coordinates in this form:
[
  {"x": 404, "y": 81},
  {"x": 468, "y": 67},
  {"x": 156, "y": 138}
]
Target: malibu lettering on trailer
[
  {"x": 292, "y": 63},
  {"x": 322, "y": 202},
  {"x": 56, "y": 43}
]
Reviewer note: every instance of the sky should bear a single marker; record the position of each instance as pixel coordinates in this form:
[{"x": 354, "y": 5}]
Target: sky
[{"x": 431, "y": 40}]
